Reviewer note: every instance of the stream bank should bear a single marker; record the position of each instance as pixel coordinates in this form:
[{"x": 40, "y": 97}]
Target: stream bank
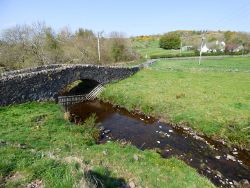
[{"x": 224, "y": 166}]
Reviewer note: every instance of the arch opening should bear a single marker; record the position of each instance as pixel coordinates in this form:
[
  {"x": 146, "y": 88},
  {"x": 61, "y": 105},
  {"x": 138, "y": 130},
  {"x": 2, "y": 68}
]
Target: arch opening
[{"x": 78, "y": 87}]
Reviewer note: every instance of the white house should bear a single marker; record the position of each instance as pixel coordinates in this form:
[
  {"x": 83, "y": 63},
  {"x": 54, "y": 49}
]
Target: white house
[
  {"x": 204, "y": 49},
  {"x": 213, "y": 47}
]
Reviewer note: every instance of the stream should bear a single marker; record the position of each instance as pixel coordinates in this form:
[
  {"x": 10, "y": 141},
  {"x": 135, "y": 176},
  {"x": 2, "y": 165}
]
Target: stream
[{"x": 224, "y": 166}]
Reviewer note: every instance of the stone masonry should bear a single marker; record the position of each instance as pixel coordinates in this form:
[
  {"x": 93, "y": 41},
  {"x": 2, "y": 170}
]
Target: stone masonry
[{"x": 44, "y": 82}]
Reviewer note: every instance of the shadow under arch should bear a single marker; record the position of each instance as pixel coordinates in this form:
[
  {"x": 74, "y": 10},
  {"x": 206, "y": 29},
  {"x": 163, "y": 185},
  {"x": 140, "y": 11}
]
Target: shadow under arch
[{"x": 78, "y": 87}]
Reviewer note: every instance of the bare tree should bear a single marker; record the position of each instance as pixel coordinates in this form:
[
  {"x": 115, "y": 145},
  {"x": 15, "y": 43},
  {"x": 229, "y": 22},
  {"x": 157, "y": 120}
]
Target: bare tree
[
  {"x": 15, "y": 50},
  {"x": 31, "y": 45},
  {"x": 38, "y": 33}
]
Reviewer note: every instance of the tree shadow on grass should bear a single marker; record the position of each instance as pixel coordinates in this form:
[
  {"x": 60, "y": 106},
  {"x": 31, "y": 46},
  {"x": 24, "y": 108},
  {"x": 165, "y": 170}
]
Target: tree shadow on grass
[{"x": 102, "y": 179}]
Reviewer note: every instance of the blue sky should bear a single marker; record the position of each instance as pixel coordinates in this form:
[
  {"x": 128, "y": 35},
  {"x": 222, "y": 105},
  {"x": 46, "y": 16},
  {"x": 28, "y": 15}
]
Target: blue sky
[{"x": 133, "y": 17}]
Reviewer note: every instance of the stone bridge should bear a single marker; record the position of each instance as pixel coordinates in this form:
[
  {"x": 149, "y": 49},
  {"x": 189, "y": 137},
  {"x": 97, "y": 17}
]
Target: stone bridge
[{"x": 44, "y": 83}]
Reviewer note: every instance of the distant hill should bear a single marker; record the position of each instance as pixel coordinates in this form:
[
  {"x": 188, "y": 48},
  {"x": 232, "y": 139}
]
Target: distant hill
[{"x": 193, "y": 38}]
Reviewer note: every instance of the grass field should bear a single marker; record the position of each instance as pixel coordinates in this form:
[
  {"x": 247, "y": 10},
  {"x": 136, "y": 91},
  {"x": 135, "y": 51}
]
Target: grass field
[
  {"x": 233, "y": 64},
  {"x": 38, "y": 146},
  {"x": 149, "y": 48},
  {"x": 213, "y": 98}
]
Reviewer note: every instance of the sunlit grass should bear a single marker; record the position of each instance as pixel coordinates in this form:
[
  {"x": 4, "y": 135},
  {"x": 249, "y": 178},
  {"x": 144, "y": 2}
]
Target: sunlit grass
[
  {"x": 207, "y": 97},
  {"x": 232, "y": 64}
]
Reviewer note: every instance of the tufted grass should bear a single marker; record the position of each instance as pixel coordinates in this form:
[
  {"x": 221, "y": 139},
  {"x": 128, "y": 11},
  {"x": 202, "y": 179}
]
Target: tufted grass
[
  {"x": 213, "y": 98},
  {"x": 61, "y": 154}
]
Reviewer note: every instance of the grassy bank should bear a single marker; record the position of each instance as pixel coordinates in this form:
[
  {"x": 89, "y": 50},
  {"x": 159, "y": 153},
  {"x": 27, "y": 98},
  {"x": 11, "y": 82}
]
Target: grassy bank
[
  {"x": 151, "y": 48},
  {"x": 213, "y": 98},
  {"x": 39, "y": 147}
]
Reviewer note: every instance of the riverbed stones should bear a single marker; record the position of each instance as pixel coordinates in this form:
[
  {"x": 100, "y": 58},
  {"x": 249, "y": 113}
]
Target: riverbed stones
[
  {"x": 101, "y": 128},
  {"x": 107, "y": 131},
  {"x": 162, "y": 134},
  {"x": 217, "y": 157},
  {"x": 198, "y": 151},
  {"x": 230, "y": 157},
  {"x": 244, "y": 183}
]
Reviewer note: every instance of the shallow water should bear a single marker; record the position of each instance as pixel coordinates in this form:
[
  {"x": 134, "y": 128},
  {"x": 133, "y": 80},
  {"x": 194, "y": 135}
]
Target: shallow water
[{"x": 222, "y": 165}]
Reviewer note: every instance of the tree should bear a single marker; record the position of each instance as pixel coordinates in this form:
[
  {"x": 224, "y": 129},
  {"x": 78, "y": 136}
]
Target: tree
[
  {"x": 52, "y": 46},
  {"x": 37, "y": 42},
  {"x": 34, "y": 45},
  {"x": 229, "y": 36},
  {"x": 85, "y": 33},
  {"x": 24, "y": 46},
  {"x": 170, "y": 41},
  {"x": 15, "y": 47},
  {"x": 121, "y": 48},
  {"x": 85, "y": 44},
  {"x": 117, "y": 50},
  {"x": 117, "y": 46}
]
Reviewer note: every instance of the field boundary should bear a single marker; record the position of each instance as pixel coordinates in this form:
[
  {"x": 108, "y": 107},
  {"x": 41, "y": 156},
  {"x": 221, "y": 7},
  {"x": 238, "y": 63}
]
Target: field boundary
[{"x": 197, "y": 57}]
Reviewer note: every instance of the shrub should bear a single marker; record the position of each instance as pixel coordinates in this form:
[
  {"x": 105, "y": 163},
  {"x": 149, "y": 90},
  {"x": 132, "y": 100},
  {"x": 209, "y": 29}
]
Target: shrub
[
  {"x": 172, "y": 55},
  {"x": 170, "y": 41},
  {"x": 121, "y": 48},
  {"x": 117, "y": 51},
  {"x": 197, "y": 53}
]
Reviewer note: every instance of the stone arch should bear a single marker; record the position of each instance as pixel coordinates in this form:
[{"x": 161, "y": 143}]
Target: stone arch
[
  {"x": 43, "y": 83},
  {"x": 78, "y": 87}
]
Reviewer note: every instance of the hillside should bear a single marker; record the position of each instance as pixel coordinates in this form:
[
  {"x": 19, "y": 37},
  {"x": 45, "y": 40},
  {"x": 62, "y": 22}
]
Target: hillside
[{"x": 149, "y": 45}]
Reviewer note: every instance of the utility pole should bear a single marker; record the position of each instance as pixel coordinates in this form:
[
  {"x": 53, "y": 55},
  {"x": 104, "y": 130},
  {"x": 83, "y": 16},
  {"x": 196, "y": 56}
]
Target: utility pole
[
  {"x": 98, "y": 46},
  {"x": 243, "y": 45},
  {"x": 183, "y": 38},
  {"x": 181, "y": 47},
  {"x": 202, "y": 43}
]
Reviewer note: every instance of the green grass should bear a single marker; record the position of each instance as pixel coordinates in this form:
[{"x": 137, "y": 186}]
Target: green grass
[
  {"x": 159, "y": 51},
  {"x": 62, "y": 154},
  {"x": 229, "y": 64},
  {"x": 149, "y": 48},
  {"x": 131, "y": 63},
  {"x": 205, "y": 97}
]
